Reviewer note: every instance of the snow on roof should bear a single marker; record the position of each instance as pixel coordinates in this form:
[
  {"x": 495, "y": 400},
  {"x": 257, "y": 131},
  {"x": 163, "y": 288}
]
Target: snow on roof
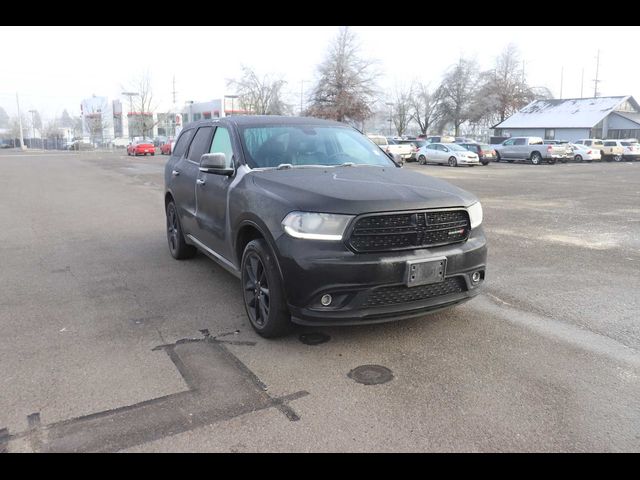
[{"x": 564, "y": 113}]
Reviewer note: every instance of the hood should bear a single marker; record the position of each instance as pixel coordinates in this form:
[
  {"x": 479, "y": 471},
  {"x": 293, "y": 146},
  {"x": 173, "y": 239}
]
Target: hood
[{"x": 359, "y": 189}]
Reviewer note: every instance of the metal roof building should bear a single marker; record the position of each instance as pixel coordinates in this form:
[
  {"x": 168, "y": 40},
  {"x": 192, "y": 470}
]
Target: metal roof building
[{"x": 575, "y": 118}]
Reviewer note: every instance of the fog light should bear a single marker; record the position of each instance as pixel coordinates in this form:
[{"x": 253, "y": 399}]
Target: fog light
[
  {"x": 326, "y": 300},
  {"x": 475, "y": 278}
]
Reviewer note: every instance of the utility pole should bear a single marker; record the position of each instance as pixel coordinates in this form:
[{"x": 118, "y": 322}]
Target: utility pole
[
  {"x": 582, "y": 84},
  {"x": 596, "y": 81},
  {"x": 174, "y": 90},
  {"x": 561, "y": 79},
  {"x": 22, "y": 147}
]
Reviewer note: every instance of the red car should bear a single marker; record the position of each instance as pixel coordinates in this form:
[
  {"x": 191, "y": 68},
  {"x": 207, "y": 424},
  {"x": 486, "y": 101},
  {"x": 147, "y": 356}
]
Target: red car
[
  {"x": 141, "y": 147},
  {"x": 165, "y": 148}
]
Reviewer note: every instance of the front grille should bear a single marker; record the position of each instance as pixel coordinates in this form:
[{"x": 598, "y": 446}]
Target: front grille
[
  {"x": 399, "y": 231},
  {"x": 402, "y": 294}
]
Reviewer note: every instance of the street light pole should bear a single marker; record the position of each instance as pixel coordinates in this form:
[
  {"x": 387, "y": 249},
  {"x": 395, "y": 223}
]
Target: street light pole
[
  {"x": 390, "y": 104},
  {"x": 20, "y": 122},
  {"x": 33, "y": 128},
  {"x": 130, "y": 95}
]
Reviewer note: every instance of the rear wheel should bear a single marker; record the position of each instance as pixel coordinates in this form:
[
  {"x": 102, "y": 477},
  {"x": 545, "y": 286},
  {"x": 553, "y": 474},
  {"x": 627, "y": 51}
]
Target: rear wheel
[
  {"x": 262, "y": 291},
  {"x": 485, "y": 163},
  {"x": 422, "y": 160},
  {"x": 617, "y": 158},
  {"x": 578, "y": 158},
  {"x": 453, "y": 162},
  {"x": 178, "y": 247},
  {"x": 497, "y": 156},
  {"x": 535, "y": 158}
]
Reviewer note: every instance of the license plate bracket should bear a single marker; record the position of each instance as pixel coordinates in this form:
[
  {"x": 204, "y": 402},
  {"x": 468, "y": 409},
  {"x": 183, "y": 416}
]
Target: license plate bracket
[{"x": 425, "y": 272}]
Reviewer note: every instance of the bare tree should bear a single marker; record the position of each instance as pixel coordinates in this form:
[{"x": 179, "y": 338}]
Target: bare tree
[
  {"x": 503, "y": 90},
  {"x": 425, "y": 106},
  {"x": 4, "y": 118},
  {"x": 402, "y": 114},
  {"x": 260, "y": 95},
  {"x": 14, "y": 128},
  {"x": 142, "y": 118},
  {"x": 346, "y": 85},
  {"x": 457, "y": 92}
]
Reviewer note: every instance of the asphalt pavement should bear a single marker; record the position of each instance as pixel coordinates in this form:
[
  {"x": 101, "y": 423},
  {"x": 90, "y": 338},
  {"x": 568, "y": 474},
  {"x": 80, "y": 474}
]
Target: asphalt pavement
[{"x": 108, "y": 344}]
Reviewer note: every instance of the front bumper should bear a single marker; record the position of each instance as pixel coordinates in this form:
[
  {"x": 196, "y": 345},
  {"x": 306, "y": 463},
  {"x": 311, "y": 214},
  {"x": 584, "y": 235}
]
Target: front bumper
[{"x": 370, "y": 287}]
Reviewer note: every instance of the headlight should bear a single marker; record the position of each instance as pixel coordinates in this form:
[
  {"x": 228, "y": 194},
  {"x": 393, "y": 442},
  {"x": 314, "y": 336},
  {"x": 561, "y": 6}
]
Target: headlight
[
  {"x": 475, "y": 214},
  {"x": 316, "y": 226}
]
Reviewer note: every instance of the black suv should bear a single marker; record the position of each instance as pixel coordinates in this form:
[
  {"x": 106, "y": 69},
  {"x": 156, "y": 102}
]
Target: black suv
[{"x": 319, "y": 224}]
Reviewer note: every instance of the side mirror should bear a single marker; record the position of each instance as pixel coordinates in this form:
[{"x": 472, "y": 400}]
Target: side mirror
[
  {"x": 445, "y": 149},
  {"x": 215, "y": 163}
]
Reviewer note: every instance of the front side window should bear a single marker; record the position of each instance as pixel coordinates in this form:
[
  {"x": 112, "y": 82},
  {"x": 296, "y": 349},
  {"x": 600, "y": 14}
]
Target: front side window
[
  {"x": 222, "y": 144},
  {"x": 301, "y": 145}
]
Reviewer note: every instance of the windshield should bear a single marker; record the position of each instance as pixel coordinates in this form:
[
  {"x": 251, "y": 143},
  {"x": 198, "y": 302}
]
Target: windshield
[{"x": 302, "y": 145}]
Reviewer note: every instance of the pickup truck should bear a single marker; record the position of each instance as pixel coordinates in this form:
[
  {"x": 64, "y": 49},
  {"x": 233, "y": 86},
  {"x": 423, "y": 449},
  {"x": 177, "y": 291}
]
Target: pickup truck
[
  {"x": 404, "y": 151},
  {"x": 530, "y": 149},
  {"x": 611, "y": 150}
]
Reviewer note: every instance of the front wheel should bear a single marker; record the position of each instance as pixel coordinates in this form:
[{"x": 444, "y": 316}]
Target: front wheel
[
  {"x": 262, "y": 290},
  {"x": 422, "y": 160},
  {"x": 578, "y": 158},
  {"x": 178, "y": 247},
  {"x": 453, "y": 162}
]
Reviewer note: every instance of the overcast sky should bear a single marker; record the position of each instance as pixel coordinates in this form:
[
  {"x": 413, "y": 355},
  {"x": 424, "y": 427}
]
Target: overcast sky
[{"x": 53, "y": 68}]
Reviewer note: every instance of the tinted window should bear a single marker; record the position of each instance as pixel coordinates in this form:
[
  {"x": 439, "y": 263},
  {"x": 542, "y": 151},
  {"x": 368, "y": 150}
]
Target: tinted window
[
  {"x": 183, "y": 143},
  {"x": 508, "y": 142},
  {"x": 200, "y": 144},
  {"x": 519, "y": 141},
  {"x": 222, "y": 144},
  {"x": 609, "y": 144}
]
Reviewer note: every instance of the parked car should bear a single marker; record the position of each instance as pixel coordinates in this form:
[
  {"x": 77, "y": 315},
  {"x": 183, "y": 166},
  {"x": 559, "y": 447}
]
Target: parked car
[
  {"x": 584, "y": 153},
  {"x": 141, "y": 147},
  {"x": 630, "y": 149},
  {"x": 5, "y": 145},
  {"x": 485, "y": 153},
  {"x": 611, "y": 150},
  {"x": 121, "y": 142},
  {"x": 567, "y": 149},
  {"x": 530, "y": 149},
  {"x": 461, "y": 140},
  {"x": 450, "y": 154},
  {"x": 80, "y": 145},
  {"x": 356, "y": 241},
  {"x": 441, "y": 139},
  {"x": 392, "y": 147},
  {"x": 592, "y": 142},
  {"x": 415, "y": 146},
  {"x": 165, "y": 148}
]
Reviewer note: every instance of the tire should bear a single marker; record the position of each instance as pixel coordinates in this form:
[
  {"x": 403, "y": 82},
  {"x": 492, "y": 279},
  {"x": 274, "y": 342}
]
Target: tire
[
  {"x": 153, "y": 154},
  {"x": 497, "y": 156},
  {"x": 552, "y": 161},
  {"x": 485, "y": 163},
  {"x": 453, "y": 162},
  {"x": 266, "y": 307},
  {"x": 535, "y": 158},
  {"x": 422, "y": 160},
  {"x": 617, "y": 158},
  {"x": 178, "y": 247},
  {"x": 578, "y": 158}
]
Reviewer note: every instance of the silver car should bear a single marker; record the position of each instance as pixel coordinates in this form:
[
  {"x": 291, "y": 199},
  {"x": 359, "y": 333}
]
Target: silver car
[{"x": 450, "y": 154}]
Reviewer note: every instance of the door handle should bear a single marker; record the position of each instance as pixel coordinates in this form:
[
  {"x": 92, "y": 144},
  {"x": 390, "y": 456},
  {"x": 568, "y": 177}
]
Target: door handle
[
  {"x": 201, "y": 182},
  {"x": 175, "y": 173}
]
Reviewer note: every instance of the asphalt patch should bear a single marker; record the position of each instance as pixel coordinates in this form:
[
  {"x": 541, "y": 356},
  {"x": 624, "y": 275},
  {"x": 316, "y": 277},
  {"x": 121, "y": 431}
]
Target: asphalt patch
[{"x": 371, "y": 374}]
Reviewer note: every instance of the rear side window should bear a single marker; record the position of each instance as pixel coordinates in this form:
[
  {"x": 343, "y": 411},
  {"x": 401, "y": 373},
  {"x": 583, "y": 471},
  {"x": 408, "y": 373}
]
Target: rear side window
[
  {"x": 520, "y": 141},
  {"x": 609, "y": 144},
  {"x": 200, "y": 144},
  {"x": 182, "y": 144}
]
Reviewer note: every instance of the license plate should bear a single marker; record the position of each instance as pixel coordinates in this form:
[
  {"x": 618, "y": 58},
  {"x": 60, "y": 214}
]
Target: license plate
[{"x": 424, "y": 272}]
